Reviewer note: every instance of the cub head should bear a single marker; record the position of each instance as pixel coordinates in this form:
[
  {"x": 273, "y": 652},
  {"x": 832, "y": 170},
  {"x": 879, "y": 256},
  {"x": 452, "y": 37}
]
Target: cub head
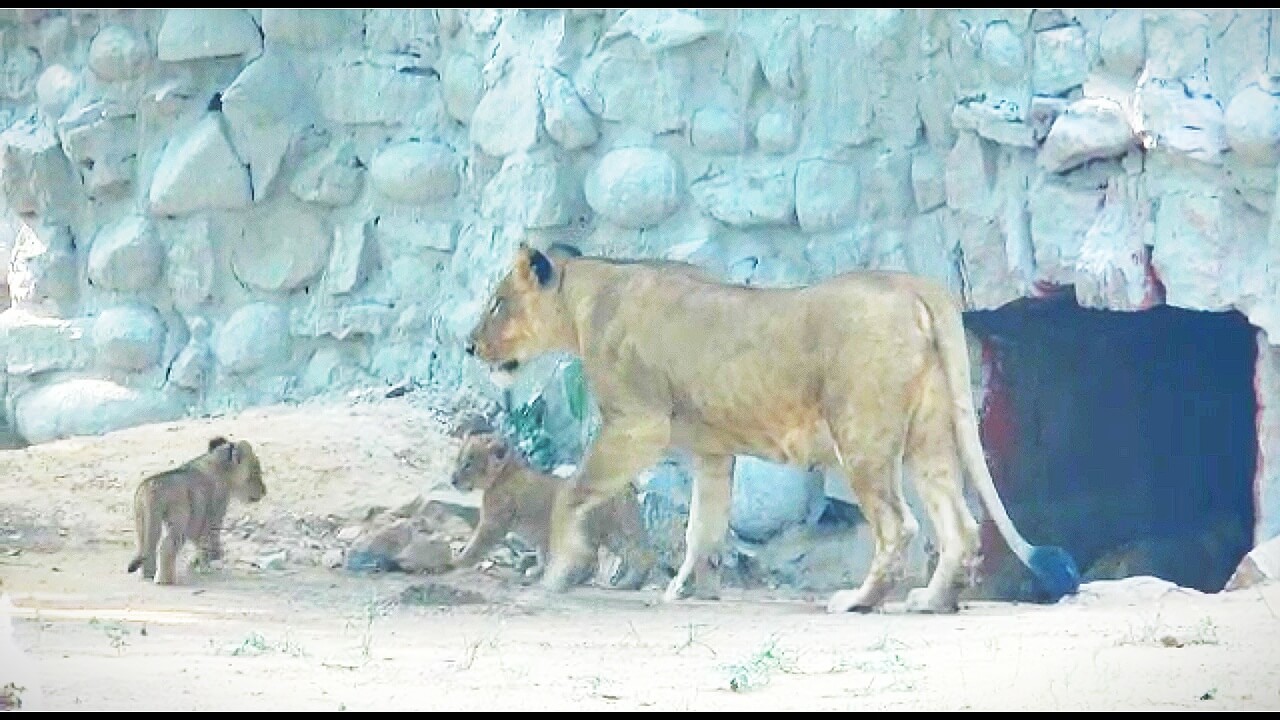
[
  {"x": 240, "y": 463},
  {"x": 524, "y": 317},
  {"x": 480, "y": 462}
]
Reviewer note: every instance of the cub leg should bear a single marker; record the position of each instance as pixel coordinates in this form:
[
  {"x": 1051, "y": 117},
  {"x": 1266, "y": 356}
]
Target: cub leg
[
  {"x": 171, "y": 541},
  {"x": 147, "y": 531},
  {"x": 626, "y": 537},
  {"x": 493, "y": 526}
]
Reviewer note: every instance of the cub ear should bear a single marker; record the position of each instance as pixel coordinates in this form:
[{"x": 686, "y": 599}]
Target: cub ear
[
  {"x": 534, "y": 267},
  {"x": 215, "y": 442}
]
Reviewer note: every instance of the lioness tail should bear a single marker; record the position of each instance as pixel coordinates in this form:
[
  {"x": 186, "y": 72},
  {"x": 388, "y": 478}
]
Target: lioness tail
[{"x": 1054, "y": 569}]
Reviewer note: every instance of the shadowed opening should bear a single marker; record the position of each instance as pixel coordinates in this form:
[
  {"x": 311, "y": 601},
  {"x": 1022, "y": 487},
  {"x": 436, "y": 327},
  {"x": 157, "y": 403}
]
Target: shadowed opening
[{"x": 1127, "y": 438}]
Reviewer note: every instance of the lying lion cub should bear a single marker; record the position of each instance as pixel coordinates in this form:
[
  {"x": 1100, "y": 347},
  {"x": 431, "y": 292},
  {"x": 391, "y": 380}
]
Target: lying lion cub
[
  {"x": 518, "y": 498},
  {"x": 866, "y": 371},
  {"x": 189, "y": 503}
]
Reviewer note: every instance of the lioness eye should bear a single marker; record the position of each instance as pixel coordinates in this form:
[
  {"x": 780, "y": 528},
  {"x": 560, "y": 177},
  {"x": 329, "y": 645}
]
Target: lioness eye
[{"x": 497, "y": 306}]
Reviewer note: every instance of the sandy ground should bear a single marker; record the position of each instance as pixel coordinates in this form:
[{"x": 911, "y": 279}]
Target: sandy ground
[{"x": 259, "y": 635}]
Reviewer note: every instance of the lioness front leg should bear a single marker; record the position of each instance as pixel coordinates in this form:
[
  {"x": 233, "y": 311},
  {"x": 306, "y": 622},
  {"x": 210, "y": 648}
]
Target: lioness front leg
[
  {"x": 708, "y": 522},
  {"x": 620, "y": 452}
]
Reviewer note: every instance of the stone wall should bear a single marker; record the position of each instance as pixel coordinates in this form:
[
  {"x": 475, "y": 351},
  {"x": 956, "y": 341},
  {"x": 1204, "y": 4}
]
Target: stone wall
[{"x": 208, "y": 209}]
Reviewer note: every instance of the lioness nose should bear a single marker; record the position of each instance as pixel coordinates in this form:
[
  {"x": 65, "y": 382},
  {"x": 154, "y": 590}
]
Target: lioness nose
[{"x": 471, "y": 348}]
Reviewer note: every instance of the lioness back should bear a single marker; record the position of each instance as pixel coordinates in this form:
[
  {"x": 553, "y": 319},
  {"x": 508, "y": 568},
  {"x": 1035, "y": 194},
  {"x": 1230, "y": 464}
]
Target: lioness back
[{"x": 188, "y": 503}]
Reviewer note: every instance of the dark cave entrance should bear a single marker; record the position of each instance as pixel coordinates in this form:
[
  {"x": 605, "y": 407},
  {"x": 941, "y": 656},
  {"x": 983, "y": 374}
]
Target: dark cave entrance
[{"x": 1128, "y": 438}]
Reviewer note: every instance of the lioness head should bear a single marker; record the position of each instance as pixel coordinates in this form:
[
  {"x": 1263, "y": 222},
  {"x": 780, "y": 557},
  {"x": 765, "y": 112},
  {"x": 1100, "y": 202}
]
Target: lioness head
[
  {"x": 480, "y": 462},
  {"x": 524, "y": 317},
  {"x": 241, "y": 464}
]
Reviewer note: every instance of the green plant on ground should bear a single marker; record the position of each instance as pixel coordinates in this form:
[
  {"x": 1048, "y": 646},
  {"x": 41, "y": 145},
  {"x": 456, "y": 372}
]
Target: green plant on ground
[{"x": 758, "y": 669}]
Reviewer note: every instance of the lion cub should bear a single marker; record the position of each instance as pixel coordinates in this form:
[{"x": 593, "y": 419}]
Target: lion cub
[
  {"x": 189, "y": 503},
  {"x": 517, "y": 498}
]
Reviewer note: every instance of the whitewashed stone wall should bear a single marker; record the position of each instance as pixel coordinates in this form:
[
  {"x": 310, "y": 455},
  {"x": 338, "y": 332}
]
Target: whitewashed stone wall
[{"x": 207, "y": 209}]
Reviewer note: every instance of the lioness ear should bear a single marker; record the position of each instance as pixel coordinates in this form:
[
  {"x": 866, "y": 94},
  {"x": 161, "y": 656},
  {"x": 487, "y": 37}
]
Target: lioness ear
[{"x": 534, "y": 266}]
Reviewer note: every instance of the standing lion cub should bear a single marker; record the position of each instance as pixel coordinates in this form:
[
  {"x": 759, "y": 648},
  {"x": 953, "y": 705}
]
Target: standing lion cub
[
  {"x": 518, "y": 498},
  {"x": 189, "y": 503}
]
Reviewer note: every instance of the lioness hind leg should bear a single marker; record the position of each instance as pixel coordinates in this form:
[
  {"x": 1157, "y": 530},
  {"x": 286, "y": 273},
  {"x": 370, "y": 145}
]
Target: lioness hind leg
[
  {"x": 875, "y": 476},
  {"x": 619, "y": 452},
  {"x": 708, "y": 522},
  {"x": 933, "y": 463},
  {"x": 932, "y": 460}
]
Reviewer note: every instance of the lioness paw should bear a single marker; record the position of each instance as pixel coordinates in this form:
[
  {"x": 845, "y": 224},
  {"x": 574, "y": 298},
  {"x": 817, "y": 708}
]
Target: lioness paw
[
  {"x": 843, "y": 601},
  {"x": 923, "y": 600}
]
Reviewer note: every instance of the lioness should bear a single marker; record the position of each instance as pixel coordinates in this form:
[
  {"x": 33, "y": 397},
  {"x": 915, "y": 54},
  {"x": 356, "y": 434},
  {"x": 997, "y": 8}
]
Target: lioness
[
  {"x": 518, "y": 498},
  {"x": 188, "y": 503},
  {"x": 867, "y": 370}
]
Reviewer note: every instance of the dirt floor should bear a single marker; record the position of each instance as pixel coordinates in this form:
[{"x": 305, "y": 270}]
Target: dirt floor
[{"x": 275, "y": 629}]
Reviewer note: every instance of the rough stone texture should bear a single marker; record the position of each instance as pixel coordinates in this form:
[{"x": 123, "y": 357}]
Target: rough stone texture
[
  {"x": 564, "y": 116},
  {"x": 331, "y": 177},
  {"x": 101, "y": 141},
  {"x": 1267, "y": 380},
  {"x": 263, "y": 106},
  {"x": 42, "y": 270},
  {"x": 200, "y": 171},
  {"x": 275, "y": 179},
  {"x": 194, "y": 33},
  {"x": 531, "y": 190},
  {"x": 1088, "y": 129},
  {"x": 126, "y": 256}
]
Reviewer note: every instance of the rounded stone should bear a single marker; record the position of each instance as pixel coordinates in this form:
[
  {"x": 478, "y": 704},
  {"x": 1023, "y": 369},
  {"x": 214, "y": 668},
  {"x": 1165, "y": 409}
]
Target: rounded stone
[
  {"x": 768, "y": 497},
  {"x": 1252, "y": 122},
  {"x": 255, "y": 336},
  {"x": 1004, "y": 53},
  {"x": 776, "y": 132},
  {"x": 88, "y": 406},
  {"x": 634, "y": 187},
  {"x": 716, "y": 130},
  {"x": 462, "y": 86},
  {"x": 415, "y": 172},
  {"x": 116, "y": 53},
  {"x": 128, "y": 337},
  {"x": 55, "y": 88},
  {"x": 284, "y": 250}
]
